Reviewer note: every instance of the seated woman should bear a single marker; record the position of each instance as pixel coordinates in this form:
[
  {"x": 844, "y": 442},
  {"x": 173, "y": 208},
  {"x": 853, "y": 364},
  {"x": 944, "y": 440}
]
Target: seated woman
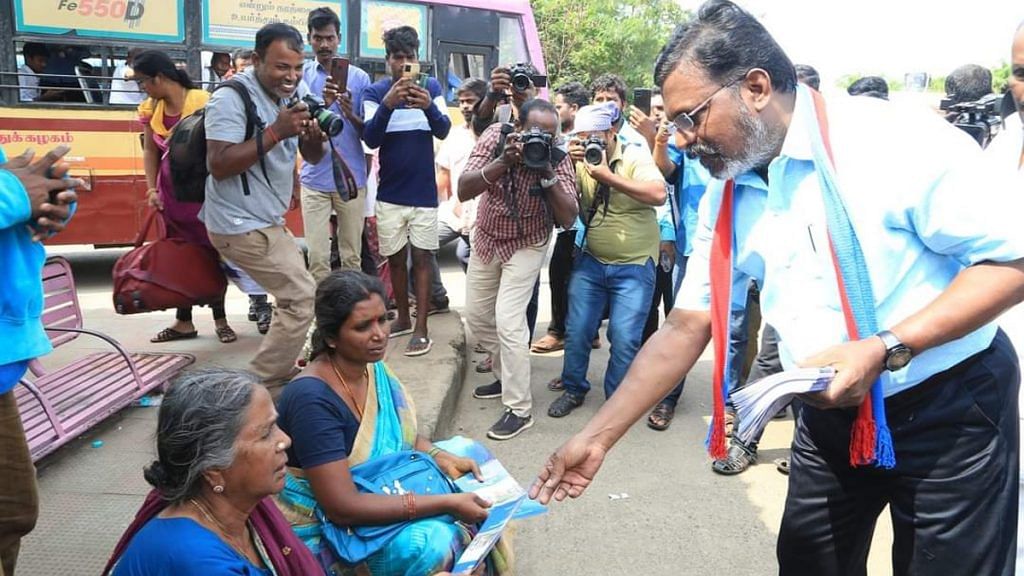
[
  {"x": 220, "y": 457},
  {"x": 346, "y": 408}
]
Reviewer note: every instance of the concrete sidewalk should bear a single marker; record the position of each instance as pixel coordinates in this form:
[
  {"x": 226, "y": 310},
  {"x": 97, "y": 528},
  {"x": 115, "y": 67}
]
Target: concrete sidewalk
[{"x": 89, "y": 492}]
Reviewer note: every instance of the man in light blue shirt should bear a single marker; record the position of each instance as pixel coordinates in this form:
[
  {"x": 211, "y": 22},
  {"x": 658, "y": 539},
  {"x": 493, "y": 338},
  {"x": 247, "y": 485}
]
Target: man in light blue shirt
[
  {"x": 944, "y": 251},
  {"x": 320, "y": 192}
]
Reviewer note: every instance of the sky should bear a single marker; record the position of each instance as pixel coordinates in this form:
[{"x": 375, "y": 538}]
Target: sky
[{"x": 888, "y": 37}]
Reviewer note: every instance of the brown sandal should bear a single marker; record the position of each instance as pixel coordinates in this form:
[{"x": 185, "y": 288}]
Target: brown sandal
[
  {"x": 661, "y": 417},
  {"x": 225, "y": 334},
  {"x": 170, "y": 335}
]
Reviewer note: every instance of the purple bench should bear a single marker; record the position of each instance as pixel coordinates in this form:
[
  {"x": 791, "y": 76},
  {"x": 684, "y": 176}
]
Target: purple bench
[{"x": 59, "y": 405}]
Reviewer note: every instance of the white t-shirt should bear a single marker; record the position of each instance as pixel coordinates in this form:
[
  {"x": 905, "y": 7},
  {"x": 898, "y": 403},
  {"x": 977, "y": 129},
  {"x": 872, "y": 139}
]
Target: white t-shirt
[
  {"x": 28, "y": 82},
  {"x": 453, "y": 155},
  {"x": 124, "y": 91}
]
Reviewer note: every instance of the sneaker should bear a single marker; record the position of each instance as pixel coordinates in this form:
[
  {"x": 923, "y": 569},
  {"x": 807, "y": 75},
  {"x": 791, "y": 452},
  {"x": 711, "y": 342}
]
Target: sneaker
[
  {"x": 509, "y": 426},
  {"x": 565, "y": 404},
  {"x": 252, "y": 310},
  {"x": 487, "y": 391}
]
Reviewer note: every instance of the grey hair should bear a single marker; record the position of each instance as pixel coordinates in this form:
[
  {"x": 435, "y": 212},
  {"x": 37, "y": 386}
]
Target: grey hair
[{"x": 200, "y": 417}]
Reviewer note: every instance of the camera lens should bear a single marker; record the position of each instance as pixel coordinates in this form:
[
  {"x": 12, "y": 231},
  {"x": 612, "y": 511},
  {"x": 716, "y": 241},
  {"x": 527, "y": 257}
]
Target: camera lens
[
  {"x": 329, "y": 122},
  {"x": 592, "y": 154},
  {"x": 536, "y": 153},
  {"x": 521, "y": 82}
]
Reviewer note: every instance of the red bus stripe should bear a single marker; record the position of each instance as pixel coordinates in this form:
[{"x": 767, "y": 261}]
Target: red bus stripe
[{"x": 69, "y": 125}]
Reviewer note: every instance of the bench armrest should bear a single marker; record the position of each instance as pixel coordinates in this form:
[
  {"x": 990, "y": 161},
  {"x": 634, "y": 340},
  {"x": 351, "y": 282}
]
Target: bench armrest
[{"x": 117, "y": 346}]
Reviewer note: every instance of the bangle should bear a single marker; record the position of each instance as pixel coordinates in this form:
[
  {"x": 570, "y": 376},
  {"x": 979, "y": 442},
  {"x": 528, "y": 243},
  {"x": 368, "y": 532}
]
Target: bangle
[
  {"x": 409, "y": 504},
  {"x": 433, "y": 451},
  {"x": 151, "y": 190},
  {"x": 273, "y": 135},
  {"x": 483, "y": 174}
]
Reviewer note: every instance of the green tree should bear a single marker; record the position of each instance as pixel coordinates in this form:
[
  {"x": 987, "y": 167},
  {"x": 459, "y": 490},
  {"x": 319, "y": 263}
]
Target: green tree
[
  {"x": 583, "y": 39},
  {"x": 1000, "y": 78}
]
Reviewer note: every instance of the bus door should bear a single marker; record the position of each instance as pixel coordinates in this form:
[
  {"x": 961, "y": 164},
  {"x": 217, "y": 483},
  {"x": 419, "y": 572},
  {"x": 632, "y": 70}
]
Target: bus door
[
  {"x": 464, "y": 42},
  {"x": 456, "y": 62}
]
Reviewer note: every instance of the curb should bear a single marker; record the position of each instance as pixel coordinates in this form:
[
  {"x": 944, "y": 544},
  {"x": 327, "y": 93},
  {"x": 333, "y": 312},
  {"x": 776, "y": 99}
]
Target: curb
[{"x": 434, "y": 380}]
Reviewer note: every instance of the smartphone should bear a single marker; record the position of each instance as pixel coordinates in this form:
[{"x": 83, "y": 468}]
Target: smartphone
[
  {"x": 339, "y": 72},
  {"x": 642, "y": 100},
  {"x": 411, "y": 70},
  {"x": 421, "y": 80}
]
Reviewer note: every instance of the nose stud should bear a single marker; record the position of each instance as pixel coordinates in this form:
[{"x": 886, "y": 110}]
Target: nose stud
[{"x": 281, "y": 446}]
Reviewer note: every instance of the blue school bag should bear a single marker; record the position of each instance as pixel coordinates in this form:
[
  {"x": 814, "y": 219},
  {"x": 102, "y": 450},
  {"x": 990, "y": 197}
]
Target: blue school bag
[{"x": 402, "y": 472}]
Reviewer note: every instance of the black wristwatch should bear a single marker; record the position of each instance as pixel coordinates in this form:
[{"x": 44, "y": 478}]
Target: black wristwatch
[{"x": 897, "y": 354}]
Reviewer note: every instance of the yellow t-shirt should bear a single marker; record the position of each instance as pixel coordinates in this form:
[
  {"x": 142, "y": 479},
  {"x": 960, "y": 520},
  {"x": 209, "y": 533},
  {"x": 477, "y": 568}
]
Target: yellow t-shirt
[{"x": 628, "y": 232}]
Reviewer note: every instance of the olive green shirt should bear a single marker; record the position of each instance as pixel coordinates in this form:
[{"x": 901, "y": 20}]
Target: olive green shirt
[{"x": 628, "y": 232}]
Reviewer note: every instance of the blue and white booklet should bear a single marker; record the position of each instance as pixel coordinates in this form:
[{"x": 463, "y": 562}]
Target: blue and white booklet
[{"x": 507, "y": 497}]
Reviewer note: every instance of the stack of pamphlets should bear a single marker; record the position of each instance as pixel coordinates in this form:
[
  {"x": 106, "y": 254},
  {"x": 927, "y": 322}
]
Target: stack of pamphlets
[
  {"x": 508, "y": 499},
  {"x": 757, "y": 403}
]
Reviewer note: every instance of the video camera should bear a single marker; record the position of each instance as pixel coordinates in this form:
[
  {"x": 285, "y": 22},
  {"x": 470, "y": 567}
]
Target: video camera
[
  {"x": 523, "y": 77},
  {"x": 981, "y": 119},
  {"x": 329, "y": 122}
]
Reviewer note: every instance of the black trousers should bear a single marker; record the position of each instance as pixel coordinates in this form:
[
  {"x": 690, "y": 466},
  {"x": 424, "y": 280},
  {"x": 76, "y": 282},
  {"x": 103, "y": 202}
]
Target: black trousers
[
  {"x": 559, "y": 270},
  {"x": 953, "y": 493}
]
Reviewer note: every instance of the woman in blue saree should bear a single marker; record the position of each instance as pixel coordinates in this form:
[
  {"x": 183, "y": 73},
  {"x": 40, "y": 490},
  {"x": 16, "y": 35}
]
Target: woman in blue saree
[{"x": 347, "y": 408}]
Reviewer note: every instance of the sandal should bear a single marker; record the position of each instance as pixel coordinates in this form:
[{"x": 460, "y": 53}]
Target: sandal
[
  {"x": 170, "y": 335},
  {"x": 418, "y": 346},
  {"x": 401, "y": 332},
  {"x": 737, "y": 461},
  {"x": 730, "y": 423},
  {"x": 479, "y": 348},
  {"x": 485, "y": 366},
  {"x": 782, "y": 465},
  {"x": 661, "y": 417},
  {"x": 225, "y": 334},
  {"x": 547, "y": 344},
  {"x": 556, "y": 385}
]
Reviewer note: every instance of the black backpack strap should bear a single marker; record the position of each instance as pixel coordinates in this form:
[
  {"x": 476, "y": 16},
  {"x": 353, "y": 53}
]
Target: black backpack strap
[
  {"x": 601, "y": 197},
  {"x": 254, "y": 126}
]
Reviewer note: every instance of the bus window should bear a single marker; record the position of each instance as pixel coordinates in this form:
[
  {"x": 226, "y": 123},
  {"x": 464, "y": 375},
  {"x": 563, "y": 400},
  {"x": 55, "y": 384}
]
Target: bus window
[
  {"x": 461, "y": 66},
  {"x": 511, "y": 41}
]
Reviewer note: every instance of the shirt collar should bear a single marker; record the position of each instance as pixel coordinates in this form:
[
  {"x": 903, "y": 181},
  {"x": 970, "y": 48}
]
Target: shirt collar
[{"x": 797, "y": 144}]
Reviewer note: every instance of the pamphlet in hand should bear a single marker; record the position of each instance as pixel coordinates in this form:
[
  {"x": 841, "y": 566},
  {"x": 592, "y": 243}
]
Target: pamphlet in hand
[
  {"x": 758, "y": 402},
  {"x": 498, "y": 486},
  {"x": 508, "y": 499}
]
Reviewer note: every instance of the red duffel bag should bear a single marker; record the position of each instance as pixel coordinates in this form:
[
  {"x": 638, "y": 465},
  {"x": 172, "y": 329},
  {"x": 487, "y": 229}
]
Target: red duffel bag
[{"x": 167, "y": 273}]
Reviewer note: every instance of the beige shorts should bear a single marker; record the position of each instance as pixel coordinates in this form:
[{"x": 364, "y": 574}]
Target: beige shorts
[{"x": 398, "y": 225}]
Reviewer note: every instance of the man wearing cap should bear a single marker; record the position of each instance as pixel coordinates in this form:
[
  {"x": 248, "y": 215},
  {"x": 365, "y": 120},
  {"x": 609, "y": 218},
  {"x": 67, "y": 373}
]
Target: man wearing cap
[{"x": 615, "y": 266}]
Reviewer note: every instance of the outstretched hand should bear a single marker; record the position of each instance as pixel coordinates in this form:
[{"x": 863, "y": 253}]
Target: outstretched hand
[{"x": 569, "y": 471}]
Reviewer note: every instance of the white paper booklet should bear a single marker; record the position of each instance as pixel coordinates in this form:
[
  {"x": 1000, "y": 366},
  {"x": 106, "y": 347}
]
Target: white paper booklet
[{"x": 758, "y": 402}]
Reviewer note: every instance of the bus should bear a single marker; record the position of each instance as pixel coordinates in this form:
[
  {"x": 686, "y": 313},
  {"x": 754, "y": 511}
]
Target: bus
[{"x": 88, "y": 42}]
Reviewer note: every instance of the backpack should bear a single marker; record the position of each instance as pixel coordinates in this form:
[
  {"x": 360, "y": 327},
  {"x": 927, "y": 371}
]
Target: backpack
[{"x": 187, "y": 148}]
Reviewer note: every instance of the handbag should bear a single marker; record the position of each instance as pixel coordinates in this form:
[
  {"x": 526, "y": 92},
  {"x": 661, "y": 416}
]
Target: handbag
[
  {"x": 397, "y": 473},
  {"x": 166, "y": 273}
]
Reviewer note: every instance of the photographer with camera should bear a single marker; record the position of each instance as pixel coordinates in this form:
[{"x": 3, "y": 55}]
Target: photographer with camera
[
  {"x": 970, "y": 104},
  {"x": 250, "y": 188},
  {"x": 619, "y": 186},
  {"x": 404, "y": 113},
  {"x": 527, "y": 186},
  {"x": 338, "y": 181},
  {"x": 511, "y": 85}
]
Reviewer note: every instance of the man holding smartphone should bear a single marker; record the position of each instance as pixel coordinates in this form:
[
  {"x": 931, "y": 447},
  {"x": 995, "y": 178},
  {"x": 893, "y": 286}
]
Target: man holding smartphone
[
  {"x": 402, "y": 119},
  {"x": 341, "y": 86}
]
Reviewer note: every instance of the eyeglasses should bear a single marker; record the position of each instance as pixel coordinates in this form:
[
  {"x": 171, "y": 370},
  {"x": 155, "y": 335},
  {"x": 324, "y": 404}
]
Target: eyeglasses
[{"x": 686, "y": 121}]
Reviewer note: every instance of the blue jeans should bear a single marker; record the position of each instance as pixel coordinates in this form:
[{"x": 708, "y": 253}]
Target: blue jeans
[{"x": 626, "y": 289}]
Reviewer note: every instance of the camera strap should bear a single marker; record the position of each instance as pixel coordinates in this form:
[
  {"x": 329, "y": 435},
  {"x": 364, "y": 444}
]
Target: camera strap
[
  {"x": 602, "y": 196},
  {"x": 344, "y": 181}
]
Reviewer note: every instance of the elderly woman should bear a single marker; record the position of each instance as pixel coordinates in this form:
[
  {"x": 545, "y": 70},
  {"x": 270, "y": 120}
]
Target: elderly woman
[
  {"x": 220, "y": 456},
  {"x": 347, "y": 408}
]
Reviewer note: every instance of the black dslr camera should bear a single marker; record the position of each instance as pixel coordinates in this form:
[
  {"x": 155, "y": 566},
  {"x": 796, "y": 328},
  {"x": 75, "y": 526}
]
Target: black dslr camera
[
  {"x": 522, "y": 78},
  {"x": 593, "y": 150},
  {"x": 329, "y": 122},
  {"x": 536, "y": 148},
  {"x": 982, "y": 119}
]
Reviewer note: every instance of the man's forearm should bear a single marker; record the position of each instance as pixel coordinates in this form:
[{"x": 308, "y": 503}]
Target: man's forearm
[
  {"x": 475, "y": 182},
  {"x": 563, "y": 207},
  {"x": 658, "y": 367},
  {"x": 227, "y": 159},
  {"x": 662, "y": 160},
  {"x": 977, "y": 296}
]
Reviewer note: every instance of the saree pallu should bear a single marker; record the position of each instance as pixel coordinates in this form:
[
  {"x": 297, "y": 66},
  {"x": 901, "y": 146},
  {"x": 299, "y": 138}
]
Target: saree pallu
[{"x": 425, "y": 546}]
